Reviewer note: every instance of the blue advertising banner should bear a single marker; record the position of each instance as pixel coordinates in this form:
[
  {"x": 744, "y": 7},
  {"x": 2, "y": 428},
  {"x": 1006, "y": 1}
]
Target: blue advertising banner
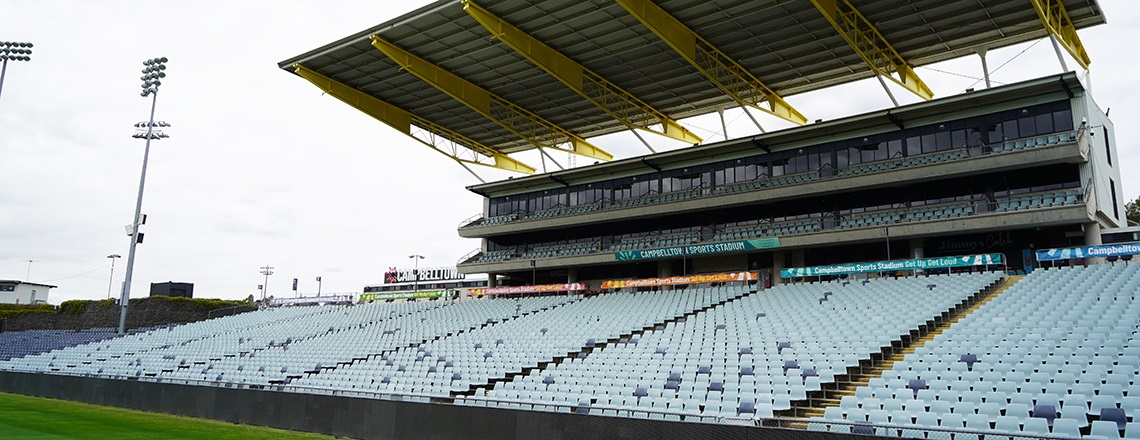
[
  {"x": 1108, "y": 250},
  {"x": 699, "y": 249},
  {"x": 882, "y": 266}
]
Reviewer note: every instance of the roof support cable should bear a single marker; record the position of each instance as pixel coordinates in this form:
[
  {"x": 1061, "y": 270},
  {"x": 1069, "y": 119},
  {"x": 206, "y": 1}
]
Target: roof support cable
[
  {"x": 544, "y": 153},
  {"x": 1057, "y": 49},
  {"x": 887, "y": 89},
  {"x": 635, "y": 133},
  {"x": 470, "y": 171},
  {"x": 753, "y": 118},
  {"x": 723, "y": 126}
]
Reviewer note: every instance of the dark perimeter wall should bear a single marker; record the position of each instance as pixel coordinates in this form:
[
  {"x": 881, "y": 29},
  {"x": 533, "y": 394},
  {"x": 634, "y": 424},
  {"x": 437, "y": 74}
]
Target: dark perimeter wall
[{"x": 372, "y": 418}]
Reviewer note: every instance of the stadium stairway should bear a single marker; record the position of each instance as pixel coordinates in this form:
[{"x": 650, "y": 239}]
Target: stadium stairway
[
  {"x": 585, "y": 351},
  {"x": 861, "y": 376}
]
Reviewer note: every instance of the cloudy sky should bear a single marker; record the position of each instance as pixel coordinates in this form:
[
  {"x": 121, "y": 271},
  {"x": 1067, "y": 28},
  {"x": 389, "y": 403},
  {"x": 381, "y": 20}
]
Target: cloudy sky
[{"x": 262, "y": 169}]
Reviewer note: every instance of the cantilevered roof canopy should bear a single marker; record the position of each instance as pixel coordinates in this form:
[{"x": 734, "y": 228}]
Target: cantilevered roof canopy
[{"x": 789, "y": 46}]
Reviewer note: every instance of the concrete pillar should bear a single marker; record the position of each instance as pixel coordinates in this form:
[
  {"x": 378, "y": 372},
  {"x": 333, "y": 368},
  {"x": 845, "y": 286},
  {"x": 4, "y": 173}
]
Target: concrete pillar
[
  {"x": 1092, "y": 238},
  {"x": 572, "y": 275},
  {"x": 664, "y": 268},
  {"x": 777, "y": 266},
  {"x": 492, "y": 280}
]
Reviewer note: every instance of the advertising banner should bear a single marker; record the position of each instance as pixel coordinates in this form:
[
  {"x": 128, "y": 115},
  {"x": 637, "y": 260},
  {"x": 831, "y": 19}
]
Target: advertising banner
[
  {"x": 699, "y": 249},
  {"x": 683, "y": 279},
  {"x": 310, "y": 300},
  {"x": 882, "y": 266},
  {"x": 1108, "y": 250},
  {"x": 514, "y": 290},
  {"x": 400, "y": 295}
]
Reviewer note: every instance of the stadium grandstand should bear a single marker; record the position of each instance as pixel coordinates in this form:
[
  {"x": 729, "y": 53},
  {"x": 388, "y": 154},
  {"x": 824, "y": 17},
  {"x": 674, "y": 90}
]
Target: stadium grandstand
[{"x": 958, "y": 268}]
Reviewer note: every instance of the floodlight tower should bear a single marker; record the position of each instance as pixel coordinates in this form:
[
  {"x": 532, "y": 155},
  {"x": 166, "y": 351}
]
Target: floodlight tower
[
  {"x": 111, "y": 281},
  {"x": 416, "y": 272},
  {"x": 15, "y": 51},
  {"x": 153, "y": 72},
  {"x": 266, "y": 270}
]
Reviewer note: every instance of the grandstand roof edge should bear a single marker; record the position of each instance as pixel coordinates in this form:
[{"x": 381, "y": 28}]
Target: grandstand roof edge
[
  {"x": 661, "y": 80},
  {"x": 431, "y": 8}
]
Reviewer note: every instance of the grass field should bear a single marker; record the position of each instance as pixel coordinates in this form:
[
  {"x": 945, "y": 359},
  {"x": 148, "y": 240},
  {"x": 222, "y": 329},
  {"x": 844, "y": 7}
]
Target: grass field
[{"x": 23, "y": 417}]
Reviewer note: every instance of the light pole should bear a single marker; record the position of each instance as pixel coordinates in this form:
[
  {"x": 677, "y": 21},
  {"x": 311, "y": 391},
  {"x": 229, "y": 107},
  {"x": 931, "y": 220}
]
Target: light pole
[
  {"x": 266, "y": 270},
  {"x": 153, "y": 71},
  {"x": 10, "y": 50},
  {"x": 111, "y": 280},
  {"x": 416, "y": 273},
  {"x": 28, "y": 276},
  {"x": 318, "y": 287}
]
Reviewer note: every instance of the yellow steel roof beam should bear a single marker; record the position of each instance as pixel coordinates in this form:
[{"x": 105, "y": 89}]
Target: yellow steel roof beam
[
  {"x": 727, "y": 74},
  {"x": 614, "y": 100},
  {"x": 871, "y": 45},
  {"x": 1060, "y": 26},
  {"x": 435, "y": 136},
  {"x": 529, "y": 126}
]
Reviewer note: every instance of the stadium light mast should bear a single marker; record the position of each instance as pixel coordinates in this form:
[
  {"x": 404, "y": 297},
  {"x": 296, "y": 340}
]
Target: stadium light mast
[
  {"x": 15, "y": 51},
  {"x": 416, "y": 273},
  {"x": 153, "y": 72},
  {"x": 111, "y": 280},
  {"x": 266, "y": 270}
]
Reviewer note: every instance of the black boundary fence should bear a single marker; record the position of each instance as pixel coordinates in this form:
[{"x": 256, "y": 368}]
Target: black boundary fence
[{"x": 371, "y": 418}]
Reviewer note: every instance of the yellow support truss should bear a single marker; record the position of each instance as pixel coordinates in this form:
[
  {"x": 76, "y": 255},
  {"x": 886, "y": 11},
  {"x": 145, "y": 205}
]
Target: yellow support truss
[
  {"x": 447, "y": 142},
  {"x": 871, "y": 45},
  {"x": 529, "y": 126},
  {"x": 618, "y": 103},
  {"x": 727, "y": 74},
  {"x": 1060, "y": 26}
]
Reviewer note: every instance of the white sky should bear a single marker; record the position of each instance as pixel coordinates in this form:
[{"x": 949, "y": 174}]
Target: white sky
[{"x": 261, "y": 169}]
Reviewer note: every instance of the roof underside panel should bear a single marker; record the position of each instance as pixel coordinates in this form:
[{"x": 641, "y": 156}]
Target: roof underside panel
[{"x": 787, "y": 44}]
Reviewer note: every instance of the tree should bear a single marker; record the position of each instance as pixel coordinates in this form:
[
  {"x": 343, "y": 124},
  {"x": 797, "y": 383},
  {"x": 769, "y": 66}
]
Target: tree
[{"x": 1132, "y": 211}]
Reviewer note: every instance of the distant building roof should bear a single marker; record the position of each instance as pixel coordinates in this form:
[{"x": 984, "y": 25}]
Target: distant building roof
[{"x": 26, "y": 282}]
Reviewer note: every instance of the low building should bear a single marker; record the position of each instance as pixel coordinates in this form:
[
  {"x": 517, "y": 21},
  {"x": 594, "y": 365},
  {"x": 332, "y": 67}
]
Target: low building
[{"x": 23, "y": 292}]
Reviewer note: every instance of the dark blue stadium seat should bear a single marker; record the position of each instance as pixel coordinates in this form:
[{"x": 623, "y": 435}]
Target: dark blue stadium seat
[
  {"x": 1047, "y": 412},
  {"x": 1114, "y": 415}
]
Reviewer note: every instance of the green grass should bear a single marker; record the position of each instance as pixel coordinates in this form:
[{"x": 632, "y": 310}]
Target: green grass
[{"x": 23, "y": 417}]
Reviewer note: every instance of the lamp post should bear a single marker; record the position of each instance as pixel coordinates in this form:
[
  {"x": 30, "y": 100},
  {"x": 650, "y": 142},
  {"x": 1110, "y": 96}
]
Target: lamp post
[
  {"x": 153, "y": 71},
  {"x": 28, "y": 276},
  {"x": 416, "y": 273},
  {"x": 266, "y": 270},
  {"x": 11, "y": 50},
  {"x": 111, "y": 280},
  {"x": 318, "y": 287}
]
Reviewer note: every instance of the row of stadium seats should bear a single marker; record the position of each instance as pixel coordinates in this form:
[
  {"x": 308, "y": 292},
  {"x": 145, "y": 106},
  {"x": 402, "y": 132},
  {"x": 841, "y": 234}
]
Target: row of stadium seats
[
  {"x": 1053, "y": 355},
  {"x": 24, "y": 343},
  {"x": 747, "y": 358},
  {"x": 655, "y": 241}
]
